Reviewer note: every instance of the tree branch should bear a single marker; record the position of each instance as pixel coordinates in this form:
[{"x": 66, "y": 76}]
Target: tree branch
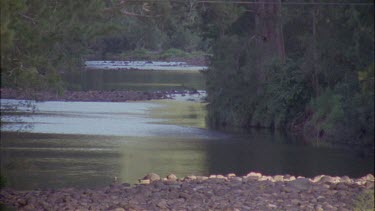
[
  {"x": 28, "y": 18},
  {"x": 138, "y": 15},
  {"x": 121, "y": 5}
]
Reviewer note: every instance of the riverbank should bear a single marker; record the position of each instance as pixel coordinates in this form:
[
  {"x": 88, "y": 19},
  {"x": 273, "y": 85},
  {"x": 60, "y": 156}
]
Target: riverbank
[
  {"x": 195, "y": 58},
  {"x": 216, "y": 192},
  {"x": 93, "y": 96}
]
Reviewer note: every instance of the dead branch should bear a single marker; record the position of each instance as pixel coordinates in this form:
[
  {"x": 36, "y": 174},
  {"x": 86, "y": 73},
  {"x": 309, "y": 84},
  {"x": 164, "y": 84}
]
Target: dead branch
[{"x": 28, "y": 18}]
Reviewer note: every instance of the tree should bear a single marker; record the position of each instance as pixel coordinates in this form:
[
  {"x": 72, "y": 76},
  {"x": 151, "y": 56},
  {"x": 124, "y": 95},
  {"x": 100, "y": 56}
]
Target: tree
[
  {"x": 318, "y": 90},
  {"x": 269, "y": 40},
  {"x": 43, "y": 39}
]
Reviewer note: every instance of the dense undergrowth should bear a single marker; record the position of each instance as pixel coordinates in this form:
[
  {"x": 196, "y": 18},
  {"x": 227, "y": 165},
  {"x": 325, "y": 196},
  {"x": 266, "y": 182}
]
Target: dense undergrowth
[{"x": 323, "y": 90}]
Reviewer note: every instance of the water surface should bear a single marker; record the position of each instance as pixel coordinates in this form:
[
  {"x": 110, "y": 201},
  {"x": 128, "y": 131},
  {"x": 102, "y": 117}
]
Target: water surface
[
  {"x": 142, "y": 80},
  {"x": 88, "y": 144}
]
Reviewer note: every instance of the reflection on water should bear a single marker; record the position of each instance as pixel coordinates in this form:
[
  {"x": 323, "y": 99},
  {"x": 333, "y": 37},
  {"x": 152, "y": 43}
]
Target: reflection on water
[
  {"x": 163, "y": 156},
  {"x": 45, "y": 161},
  {"x": 274, "y": 153},
  {"x": 143, "y": 80},
  {"x": 68, "y": 146},
  {"x": 95, "y": 118}
]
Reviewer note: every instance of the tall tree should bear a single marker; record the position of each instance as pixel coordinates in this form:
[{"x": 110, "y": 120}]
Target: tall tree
[
  {"x": 46, "y": 38},
  {"x": 269, "y": 35}
]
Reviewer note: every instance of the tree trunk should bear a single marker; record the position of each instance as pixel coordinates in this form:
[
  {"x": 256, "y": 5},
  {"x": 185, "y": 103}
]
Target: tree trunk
[
  {"x": 315, "y": 79},
  {"x": 269, "y": 33}
]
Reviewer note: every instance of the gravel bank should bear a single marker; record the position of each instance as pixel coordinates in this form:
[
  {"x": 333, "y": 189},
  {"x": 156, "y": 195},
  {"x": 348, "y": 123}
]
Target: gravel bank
[
  {"x": 92, "y": 96},
  {"x": 216, "y": 192}
]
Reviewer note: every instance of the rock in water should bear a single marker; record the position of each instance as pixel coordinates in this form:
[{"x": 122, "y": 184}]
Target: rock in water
[
  {"x": 144, "y": 181},
  {"x": 172, "y": 177},
  {"x": 152, "y": 177}
]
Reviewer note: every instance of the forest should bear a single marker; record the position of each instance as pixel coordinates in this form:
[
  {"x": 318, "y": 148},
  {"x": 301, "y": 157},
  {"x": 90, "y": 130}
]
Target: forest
[{"x": 306, "y": 67}]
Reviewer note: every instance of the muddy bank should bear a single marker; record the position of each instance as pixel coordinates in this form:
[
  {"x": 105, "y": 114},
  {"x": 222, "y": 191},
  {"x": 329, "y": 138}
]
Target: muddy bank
[
  {"x": 216, "y": 192},
  {"x": 93, "y": 96}
]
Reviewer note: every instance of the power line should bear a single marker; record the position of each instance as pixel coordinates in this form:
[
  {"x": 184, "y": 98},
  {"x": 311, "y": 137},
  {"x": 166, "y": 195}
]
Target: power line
[
  {"x": 256, "y": 2},
  {"x": 290, "y": 3}
]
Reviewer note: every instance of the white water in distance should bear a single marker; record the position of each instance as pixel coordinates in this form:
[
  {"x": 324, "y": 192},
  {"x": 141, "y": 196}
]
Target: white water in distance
[{"x": 142, "y": 65}]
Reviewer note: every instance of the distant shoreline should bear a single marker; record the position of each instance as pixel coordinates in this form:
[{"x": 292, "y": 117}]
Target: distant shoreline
[
  {"x": 89, "y": 96},
  {"x": 142, "y": 65}
]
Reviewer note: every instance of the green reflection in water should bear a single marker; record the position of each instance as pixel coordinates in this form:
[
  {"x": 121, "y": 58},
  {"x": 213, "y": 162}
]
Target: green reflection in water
[
  {"x": 163, "y": 156},
  {"x": 30, "y": 161},
  {"x": 190, "y": 114},
  {"x": 142, "y": 80}
]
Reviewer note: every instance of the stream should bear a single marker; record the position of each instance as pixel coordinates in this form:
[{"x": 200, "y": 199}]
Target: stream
[{"x": 88, "y": 144}]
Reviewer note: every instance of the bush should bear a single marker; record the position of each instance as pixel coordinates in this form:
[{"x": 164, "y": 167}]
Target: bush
[
  {"x": 327, "y": 116},
  {"x": 3, "y": 181},
  {"x": 173, "y": 52},
  {"x": 138, "y": 54},
  {"x": 287, "y": 93},
  {"x": 184, "y": 39}
]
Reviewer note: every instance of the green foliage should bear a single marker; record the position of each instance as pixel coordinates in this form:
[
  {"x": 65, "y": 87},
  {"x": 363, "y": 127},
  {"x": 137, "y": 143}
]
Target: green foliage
[
  {"x": 327, "y": 109},
  {"x": 139, "y": 54},
  {"x": 163, "y": 26},
  {"x": 9, "y": 9},
  {"x": 286, "y": 95},
  {"x": 184, "y": 39},
  {"x": 325, "y": 89},
  {"x": 217, "y": 18},
  {"x": 173, "y": 52},
  {"x": 144, "y": 54},
  {"x": 229, "y": 83},
  {"x": 327, "y": 114},
  {"x": 359, "y": 109},
  {"x": 45, "y": 38},
  {"x": 3, "y": 181},
  {"x": 366, "y": 78}
]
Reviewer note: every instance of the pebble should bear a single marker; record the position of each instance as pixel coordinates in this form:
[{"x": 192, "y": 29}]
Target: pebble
[
  {"x": 119, "y": 209},
  {"x": 152, "y": 177},
  {"x": 144, "y": 181},
  {"x": 172, "y": 177},
  {"x": 99, "y": 96},
  {"x": 278, "y": 178},
  {"x": 271, "y": 206},
  {"x": 300, "y": 183},
  {"x": 216, "y": 192},
  {"x": 230, "y": 175}
]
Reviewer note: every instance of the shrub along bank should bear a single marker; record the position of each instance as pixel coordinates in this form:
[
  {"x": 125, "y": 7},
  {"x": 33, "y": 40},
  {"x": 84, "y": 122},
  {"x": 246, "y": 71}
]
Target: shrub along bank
[{"x": 323, "y": 88}]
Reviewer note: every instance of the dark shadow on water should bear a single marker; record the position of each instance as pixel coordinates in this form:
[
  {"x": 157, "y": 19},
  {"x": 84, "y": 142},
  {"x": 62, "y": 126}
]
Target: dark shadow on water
[{"x": 276, "y": 153}]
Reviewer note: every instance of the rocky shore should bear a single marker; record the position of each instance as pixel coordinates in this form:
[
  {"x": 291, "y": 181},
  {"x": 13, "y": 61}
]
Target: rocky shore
[
  {"x": 93, "y": 96},
  {"x": 216, "y": 192}
]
